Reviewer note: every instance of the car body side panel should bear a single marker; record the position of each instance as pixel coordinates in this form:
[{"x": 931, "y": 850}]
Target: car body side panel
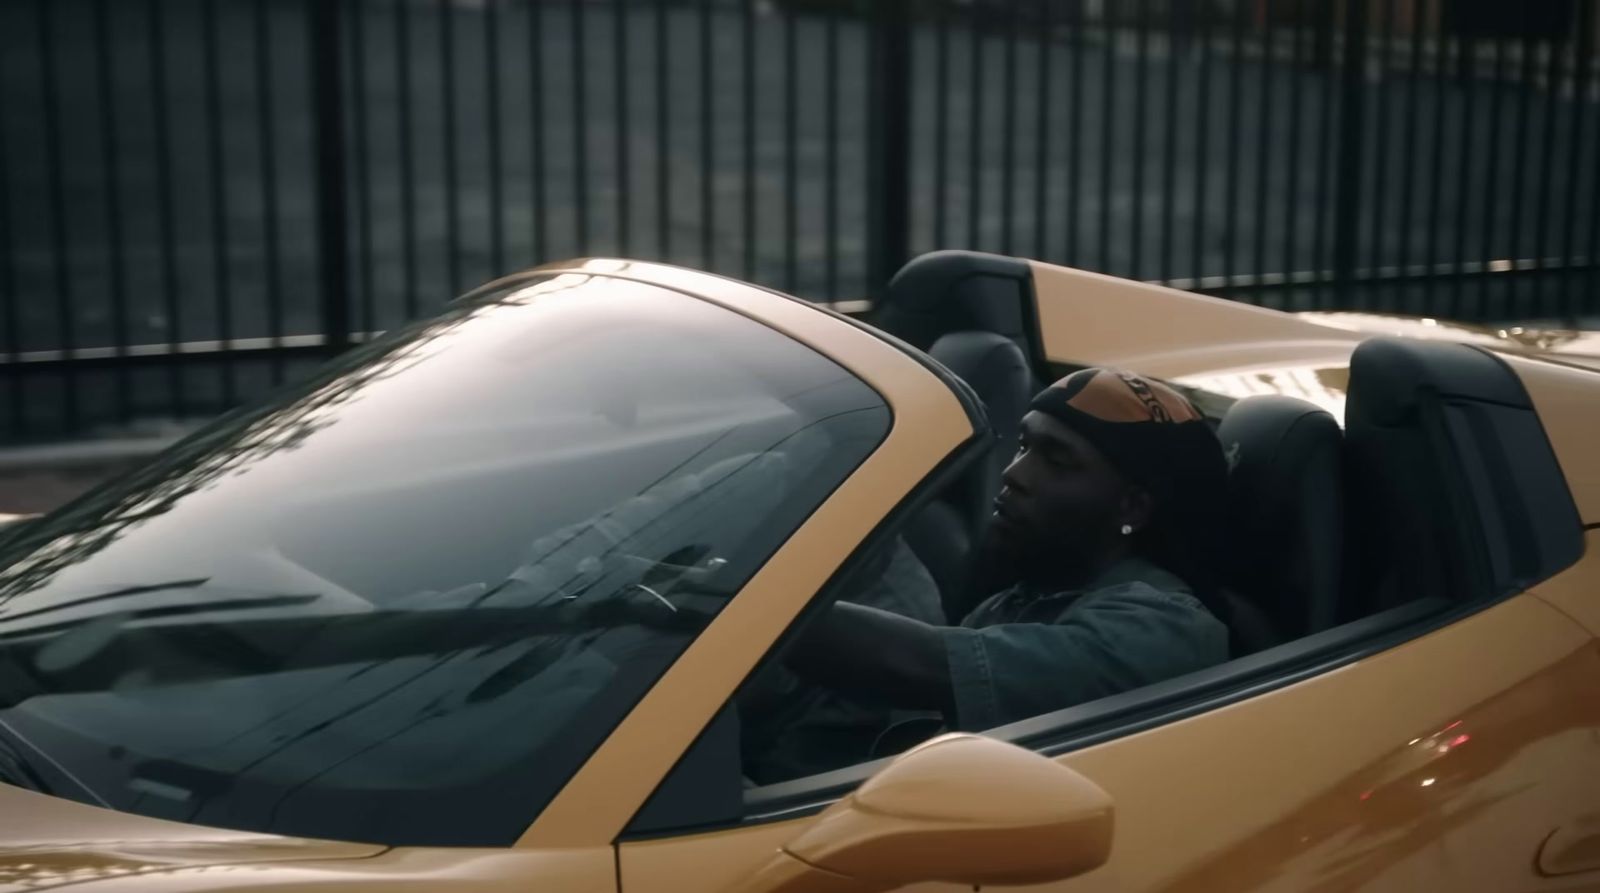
[
  {"x": 442, "y": 870},
  {"x": 929, "y": 423},
  {"x": 1375, "y": 774},
  {"x": 1568, "y": 402},
  {"x": 1577, "y": 595},
  {"x": 1441, "y": 762}
]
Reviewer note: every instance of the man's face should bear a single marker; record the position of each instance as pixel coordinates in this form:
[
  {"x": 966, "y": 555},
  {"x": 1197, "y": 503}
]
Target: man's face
[{"x": 1062, "y": 505}]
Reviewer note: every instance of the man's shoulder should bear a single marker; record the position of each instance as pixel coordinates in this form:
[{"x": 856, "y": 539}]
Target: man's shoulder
[{"x": 1141, "y": 593}]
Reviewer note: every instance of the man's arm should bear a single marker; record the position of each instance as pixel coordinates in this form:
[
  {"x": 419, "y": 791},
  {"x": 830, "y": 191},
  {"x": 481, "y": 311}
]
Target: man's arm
[{"x": 860, "y": 650}]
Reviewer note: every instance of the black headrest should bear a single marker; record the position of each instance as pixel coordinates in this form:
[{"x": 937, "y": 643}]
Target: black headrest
[
  {"x": 1285, "y": 510},
  {"x": 944, "y": 533},
  {"x": 996, "y": 369},
  {"x": 957, "y": 291}
]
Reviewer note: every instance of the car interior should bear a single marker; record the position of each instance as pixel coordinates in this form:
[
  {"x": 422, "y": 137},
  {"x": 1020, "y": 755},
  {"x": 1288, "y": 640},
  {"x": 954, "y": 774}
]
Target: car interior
[
  {"x": 1331, "y": 520},
  {"x": 1435, "y": 496}
]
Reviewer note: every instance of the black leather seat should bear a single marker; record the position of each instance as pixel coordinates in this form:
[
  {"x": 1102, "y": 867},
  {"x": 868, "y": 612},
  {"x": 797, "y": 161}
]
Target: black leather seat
[
  {"x": 944, "y": 532},
  {"x": 1286, "y": 519}
]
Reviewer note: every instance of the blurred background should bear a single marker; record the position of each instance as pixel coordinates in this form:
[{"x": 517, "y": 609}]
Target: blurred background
[{"x": 202, "y": 198}]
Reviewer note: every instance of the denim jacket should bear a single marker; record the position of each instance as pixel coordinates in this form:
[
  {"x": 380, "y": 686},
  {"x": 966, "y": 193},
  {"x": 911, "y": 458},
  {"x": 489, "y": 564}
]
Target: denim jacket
[{"x": 1022, "y": 653}]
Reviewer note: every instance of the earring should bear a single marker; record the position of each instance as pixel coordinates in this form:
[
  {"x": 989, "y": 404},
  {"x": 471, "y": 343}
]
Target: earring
[{"x": 1127, "y": 530}]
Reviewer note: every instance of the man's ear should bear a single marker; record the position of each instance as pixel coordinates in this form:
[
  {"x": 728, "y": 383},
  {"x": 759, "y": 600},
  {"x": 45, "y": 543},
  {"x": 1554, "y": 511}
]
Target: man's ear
[{"x": 1138, "y": 506}]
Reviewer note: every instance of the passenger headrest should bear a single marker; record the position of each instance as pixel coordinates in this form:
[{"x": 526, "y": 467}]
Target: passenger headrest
[
  {"x": 944, "y": 533},
  {"x": 1285, "y": 510},
  {"x": 996, "y": 369}
]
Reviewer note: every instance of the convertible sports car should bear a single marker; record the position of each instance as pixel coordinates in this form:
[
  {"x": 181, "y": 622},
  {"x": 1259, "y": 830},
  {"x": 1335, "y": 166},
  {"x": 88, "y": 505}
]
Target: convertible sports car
[{"x": 478, "y": 608}]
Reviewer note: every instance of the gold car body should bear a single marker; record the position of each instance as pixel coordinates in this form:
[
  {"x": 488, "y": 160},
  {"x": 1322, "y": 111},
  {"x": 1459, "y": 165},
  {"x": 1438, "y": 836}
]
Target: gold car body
[{"x": 1468, "y": 757}]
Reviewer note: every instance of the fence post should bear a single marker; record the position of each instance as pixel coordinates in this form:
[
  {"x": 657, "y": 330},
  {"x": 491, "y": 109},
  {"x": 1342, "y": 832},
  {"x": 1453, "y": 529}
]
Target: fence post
[
  {"x": 1347, "y": 206},
  {"x": 889, "y": 149},
  {"x": 327, "y": 99}
]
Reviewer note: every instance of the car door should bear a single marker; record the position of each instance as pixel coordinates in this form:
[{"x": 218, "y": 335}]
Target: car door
[{"x": 1447, "y": 761}]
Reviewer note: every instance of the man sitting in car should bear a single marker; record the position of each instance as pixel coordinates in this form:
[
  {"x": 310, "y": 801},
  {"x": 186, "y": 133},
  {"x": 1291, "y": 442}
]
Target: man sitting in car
[{"x": 1108, "y": 520}]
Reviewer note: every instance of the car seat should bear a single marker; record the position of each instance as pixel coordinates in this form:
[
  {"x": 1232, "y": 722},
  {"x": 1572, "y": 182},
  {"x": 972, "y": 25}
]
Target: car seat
[
  {"x": 945, "y": 531},
  {"x": 1455, "y": 492},
  {"x": 1286, "y": 519}
]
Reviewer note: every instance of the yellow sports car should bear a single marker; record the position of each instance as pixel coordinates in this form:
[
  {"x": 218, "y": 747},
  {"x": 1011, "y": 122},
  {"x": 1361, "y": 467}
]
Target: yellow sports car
[{"x": 487, "y": 603}]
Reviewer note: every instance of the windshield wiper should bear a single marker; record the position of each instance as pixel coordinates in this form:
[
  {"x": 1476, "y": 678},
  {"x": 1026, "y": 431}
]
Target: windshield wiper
[{"x": 122, "y": 592}]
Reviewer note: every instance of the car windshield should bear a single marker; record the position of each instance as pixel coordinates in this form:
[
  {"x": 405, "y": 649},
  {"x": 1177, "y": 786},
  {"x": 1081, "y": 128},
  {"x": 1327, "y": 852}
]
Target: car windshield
[{"x": 403, "y": 602}]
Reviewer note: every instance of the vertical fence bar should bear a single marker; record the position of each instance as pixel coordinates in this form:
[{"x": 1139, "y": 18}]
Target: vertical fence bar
[
  {"x": 327, "y": 89},
  {"x": 622, "y": 71},
  {"x": 536, "y": 132},
  {"x": 1291, "y": 211},
  {"x": 1325, "y": 25},
  {"x": 747, "y": 61},
  {"x": 1547, "y": 161},
  {"x": 1491, "y": 178},
  {"x": 1467, "y": 71},
  {"x": 1408, "y": 157},
  {"x": 1381, "y": 140},
  {"x": 167, "y": 216},
  {"x": 1570, "y": 305},
  {"x": 831, "y": 162},
  {"x": 267, "y": 127},
  {"x": 1352, "y": 146},
  {"x": 1441, "y": 100},
  {"x": 941, "y": 126},
  {"x": 791, "y": 136},
  {"x": 1169, "y": 166},
  {"x": 1042, "y": 115},
  {"x": 890, "y": 111},
  {"x": 497, "y": 192},
  {"x": 1108, "y": 132},
  {"x": 708, "y": 171},
  {"x": 216, "y": 157},
  {"x": 1202, "y": 139},
  {"x": 452, "y": 183},
  {"x": 1263, "y": 160},
  {"x": 1008, "y": 158},
  {"x": 408, "y": 168},
  {"x": 1593, "y": 279},
  {"x": 975, "y": 139},
  {"x": 1075, "y": 134},
  {"x": 8, "y": 275},
  {"x": 1141, "y": 69},
  {"x": 580, "y": 127},
  {"x": 1519, "y": 167},
  {"x": 117, "y": 236},
  {"x": 663, "y": 136},
  {"x": 58, "y": 199},
  {"x": 359, "y": 125},
  {"x": 1230, "y": 226}
]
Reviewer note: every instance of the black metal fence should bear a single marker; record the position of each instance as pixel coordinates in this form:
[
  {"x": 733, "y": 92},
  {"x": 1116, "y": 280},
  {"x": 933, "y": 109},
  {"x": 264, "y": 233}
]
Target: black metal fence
[{"x": 201, "y": 197}]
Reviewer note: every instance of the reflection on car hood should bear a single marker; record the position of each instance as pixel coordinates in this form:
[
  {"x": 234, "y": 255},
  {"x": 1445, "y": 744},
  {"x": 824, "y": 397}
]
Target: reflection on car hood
[
  {"x": 1576, "y": 346},
  {"x": 47, "y": 842}
]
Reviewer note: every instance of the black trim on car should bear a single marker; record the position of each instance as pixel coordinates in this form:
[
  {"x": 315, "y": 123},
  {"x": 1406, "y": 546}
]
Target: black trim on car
[{"x": 950, "y": 291}]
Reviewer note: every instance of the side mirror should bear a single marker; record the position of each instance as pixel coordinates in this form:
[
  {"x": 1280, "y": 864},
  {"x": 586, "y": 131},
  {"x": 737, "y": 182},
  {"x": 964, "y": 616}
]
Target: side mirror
[{"x": 960, "y": 809}]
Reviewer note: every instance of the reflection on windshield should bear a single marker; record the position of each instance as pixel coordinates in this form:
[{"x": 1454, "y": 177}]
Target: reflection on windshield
[{"x": 403, "y": 604}]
